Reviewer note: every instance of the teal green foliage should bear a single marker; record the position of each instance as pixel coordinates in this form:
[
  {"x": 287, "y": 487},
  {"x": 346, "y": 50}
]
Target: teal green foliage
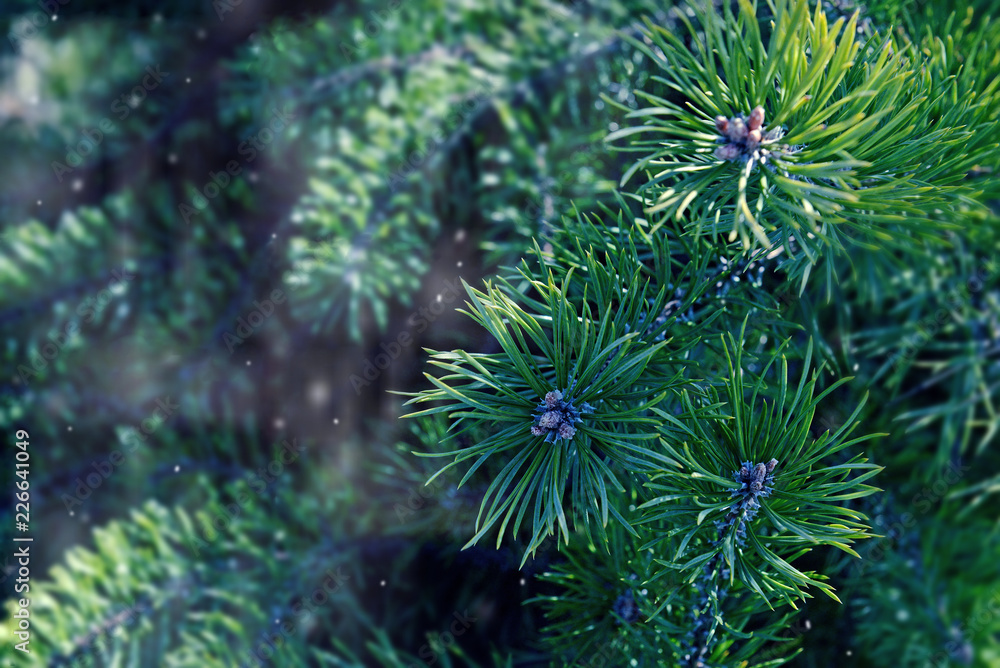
[
  {"x": 584, "y": 359},
  {"x": 848, "y": 154},
  {"x": 659, "y": 424},
  {"x": 759, "y": 424},
  {"x": 876, "y": 151}
]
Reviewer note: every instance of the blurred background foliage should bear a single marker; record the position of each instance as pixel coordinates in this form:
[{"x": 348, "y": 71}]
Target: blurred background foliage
[{"x": 422, "y": 142}]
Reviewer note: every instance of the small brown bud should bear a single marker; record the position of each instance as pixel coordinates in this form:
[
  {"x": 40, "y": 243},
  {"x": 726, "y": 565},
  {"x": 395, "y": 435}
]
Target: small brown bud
[
  {"x": 756, "y": 118},
  {"x": 566, "y": 431},
  {"x": 771, "y": 464},
  {"x": 753, "y": 137},
  {"x": 721, "y": 124},
  {"x": 737, "y": 130},
  {"x": 550, "y": 420},
  {"x": 759, "y": 472},
  {"x": 727, "y": 152}
]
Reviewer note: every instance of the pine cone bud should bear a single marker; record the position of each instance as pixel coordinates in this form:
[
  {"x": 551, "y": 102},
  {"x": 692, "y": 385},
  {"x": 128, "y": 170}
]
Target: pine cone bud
[
  {"x": 721, "y": 124},
  {"x": 771, "y": 464},
  {"x": 737, "y": 130},
  {"x": 756, "y": 118},
  {"x": 553, "y": 398},
  {"x": 727, "y": 152},
  {"x": 566, "y": 431},
  {"x": 550, "y": 420},
  {"x": 759, "y": 472},
  {"x": 753, "y": 137}
]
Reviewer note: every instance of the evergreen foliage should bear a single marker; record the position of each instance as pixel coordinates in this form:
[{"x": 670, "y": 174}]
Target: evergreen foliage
[{"x": 691, "y": 308}]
